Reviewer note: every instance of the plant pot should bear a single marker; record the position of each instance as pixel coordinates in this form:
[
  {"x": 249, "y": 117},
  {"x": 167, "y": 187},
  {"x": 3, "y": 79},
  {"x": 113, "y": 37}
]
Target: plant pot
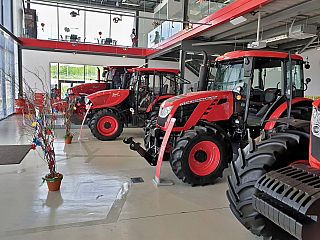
[
  {"x": 68, "y": 140},
  {"x": 54, "y": 183}
]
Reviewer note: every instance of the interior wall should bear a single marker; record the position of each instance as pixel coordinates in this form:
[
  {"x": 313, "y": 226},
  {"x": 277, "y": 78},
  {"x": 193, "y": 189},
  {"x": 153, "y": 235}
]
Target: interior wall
[
  {"x": 313, "y": 73},
  {"x": 39, "y": 62}
]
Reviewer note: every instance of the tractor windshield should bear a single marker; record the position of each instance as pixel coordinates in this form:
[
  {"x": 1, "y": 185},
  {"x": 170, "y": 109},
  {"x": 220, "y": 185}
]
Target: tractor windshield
[{"x": 228, "y": 77}]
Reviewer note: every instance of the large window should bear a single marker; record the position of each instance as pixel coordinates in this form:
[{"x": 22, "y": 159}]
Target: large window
[
  {"x": 88, "y": 25},
  {"x": 69, "y": 75},
  {"x": 8, "y": 49}
]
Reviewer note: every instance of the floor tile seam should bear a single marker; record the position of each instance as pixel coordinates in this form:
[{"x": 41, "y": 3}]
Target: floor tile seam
[{"x": 171, "y": 214}]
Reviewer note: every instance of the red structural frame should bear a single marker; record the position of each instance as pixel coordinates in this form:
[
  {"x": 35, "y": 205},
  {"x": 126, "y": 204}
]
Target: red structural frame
[{"x": 226, "y": 14}]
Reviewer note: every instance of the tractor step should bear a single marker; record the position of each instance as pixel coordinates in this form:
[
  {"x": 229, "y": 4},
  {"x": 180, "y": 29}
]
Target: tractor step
[
  {"x": 143, "y": 153},
  {"x": 291, "y": 199}
]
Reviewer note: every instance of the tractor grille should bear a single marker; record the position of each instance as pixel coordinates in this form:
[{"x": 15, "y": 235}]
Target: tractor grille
[
  {"x": 287, "y": 194},
  {"x": 181, "y": 115},
  {"x": 162, "y": 121}
]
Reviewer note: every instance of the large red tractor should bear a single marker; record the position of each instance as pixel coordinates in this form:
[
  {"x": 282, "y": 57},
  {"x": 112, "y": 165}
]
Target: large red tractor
[
  {"x": 138, "y": 100},
  {"x": 273, "y": 192},
  {"x": 250, "y": 87},
  {"x": 111, "y": 75}
]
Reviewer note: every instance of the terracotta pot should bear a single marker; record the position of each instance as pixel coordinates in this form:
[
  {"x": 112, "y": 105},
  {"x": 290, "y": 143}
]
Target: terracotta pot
[
  {"x": 67, "y": 140},
  {"x": 54, "y": 183}
]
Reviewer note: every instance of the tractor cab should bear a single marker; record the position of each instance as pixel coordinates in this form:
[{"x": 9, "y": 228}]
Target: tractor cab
[
  {"x": 266, "y": 74},
  {"x": 113, "y": 76},
  {"x": 150, "y": 86}
]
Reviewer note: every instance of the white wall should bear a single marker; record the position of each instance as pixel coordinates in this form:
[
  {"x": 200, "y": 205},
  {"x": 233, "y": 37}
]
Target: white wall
[
  {"x": 34, "y": 61},
  {"x": 313, "y": 72},
  {"x": 39, "y": 61}
]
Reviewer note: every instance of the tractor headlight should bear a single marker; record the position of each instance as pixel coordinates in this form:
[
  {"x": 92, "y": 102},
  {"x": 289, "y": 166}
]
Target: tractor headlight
[
  {"x": 315, "y": 122},
  {"x": 86, "y": 100},
  {"x": 164, "y": 112}
]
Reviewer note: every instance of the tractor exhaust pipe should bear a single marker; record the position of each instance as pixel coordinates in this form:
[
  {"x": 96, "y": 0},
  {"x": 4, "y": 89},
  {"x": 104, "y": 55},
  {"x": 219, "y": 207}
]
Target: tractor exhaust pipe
[{"x": 203, "y": 73}]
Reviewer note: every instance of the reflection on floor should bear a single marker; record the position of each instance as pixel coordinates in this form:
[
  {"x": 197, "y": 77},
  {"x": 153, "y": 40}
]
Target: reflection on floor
[{"x": 97, "y": 199}]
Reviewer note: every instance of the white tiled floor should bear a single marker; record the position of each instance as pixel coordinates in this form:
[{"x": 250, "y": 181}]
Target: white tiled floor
[{"x": 98, "y": 201}]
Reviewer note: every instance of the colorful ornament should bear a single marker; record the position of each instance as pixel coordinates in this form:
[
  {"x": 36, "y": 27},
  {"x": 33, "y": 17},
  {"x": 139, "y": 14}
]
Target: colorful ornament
[
  {"x": 34, "y": 124},
  {"x": 29, "y": 115},
  {"x": 33, "y": 147},
  {"x": 78, "y": 104},
  {"x": 74, "y": 108},
  {"x": 54, "y": 110},
  {"x": 67, "y": 95}
]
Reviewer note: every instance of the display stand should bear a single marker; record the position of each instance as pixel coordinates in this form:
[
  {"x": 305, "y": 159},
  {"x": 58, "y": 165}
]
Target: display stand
[
  {"x": 157, "y": 180},
  {"x": 85, "y": 116}
]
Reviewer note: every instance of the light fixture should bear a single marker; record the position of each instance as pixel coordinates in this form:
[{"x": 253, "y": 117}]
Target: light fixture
[
  {"x": 226, "y": 1},
  {"x": 238, "y": 20},
  {"x": 117, "y": 19},
  {"x": 277, "y": 38},
  {"x": 131, "y": 4},
  {"x": 74, "y": 13},
  {"x": 117, "y": 4}
]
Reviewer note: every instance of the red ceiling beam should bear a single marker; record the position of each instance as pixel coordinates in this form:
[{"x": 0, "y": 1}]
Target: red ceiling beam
[{"x": 233, "y": 10}]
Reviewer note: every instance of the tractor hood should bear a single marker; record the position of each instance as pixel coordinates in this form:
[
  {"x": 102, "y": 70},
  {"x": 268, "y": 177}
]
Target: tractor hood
[
  {"x": 107, "y": 98},
  {"x": 193, "y": 97},
  {"x": 87, "y": 88}
]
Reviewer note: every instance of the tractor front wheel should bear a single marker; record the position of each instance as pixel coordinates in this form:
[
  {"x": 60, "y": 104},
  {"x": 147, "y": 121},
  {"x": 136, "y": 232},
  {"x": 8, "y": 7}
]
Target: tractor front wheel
[
  {"x": 200, "y": 155},
  {"x": 106, "y": 126}
]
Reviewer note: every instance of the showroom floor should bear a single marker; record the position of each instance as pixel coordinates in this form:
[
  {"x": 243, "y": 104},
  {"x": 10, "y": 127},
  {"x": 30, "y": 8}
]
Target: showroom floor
[{"x": 97, "y": 199}]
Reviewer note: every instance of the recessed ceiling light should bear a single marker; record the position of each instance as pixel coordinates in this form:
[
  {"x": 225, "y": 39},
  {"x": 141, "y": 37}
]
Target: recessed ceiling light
[{"x": 238, "y": 20}]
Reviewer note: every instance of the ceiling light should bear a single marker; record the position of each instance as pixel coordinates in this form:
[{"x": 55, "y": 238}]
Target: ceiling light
[
  {"x": 74, "y": 14},
  {"x": 238, "y": 20},
  {"x": 226, "y": 1},
  {"x": 277, "y": 38},
  {"x": 131, "y": 4}
]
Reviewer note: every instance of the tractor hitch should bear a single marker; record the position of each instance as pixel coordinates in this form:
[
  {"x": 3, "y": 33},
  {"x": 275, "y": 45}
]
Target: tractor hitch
[{"x": 135, "y": 146}]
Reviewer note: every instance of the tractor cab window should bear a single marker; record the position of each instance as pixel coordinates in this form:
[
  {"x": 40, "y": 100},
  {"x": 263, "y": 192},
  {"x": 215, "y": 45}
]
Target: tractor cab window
[
  {"x": 297, "y": 75},
  {"x": 229, "y": 77}
]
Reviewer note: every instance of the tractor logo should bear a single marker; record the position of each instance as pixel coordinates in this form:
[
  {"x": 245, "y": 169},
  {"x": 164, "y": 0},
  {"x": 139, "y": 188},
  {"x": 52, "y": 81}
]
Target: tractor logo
[{"x": 115, "y": 94}]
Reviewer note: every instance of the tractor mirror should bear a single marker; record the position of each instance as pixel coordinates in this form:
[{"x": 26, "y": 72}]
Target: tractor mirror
[
  {"x": 248, "y": 66},
  {"x": 308, "y": 80},
  {"x": 307, "y": 64}
]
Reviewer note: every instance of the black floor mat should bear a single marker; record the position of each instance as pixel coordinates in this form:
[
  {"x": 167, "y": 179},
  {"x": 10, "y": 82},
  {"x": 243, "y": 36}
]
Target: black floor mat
[{"x": 13, "y": 154}]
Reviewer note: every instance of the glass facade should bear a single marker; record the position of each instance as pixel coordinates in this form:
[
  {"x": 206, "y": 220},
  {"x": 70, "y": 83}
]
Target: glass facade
[
  {"x": 87, "y": 26},
  {"x": 8, "y": 74}
]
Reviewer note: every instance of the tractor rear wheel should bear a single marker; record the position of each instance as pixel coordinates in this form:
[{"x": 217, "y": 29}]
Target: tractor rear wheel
[
  {"x": 200, "y": 155},
  {"x": 106, "y": 126},
  {"x": 279, "y": 150}
]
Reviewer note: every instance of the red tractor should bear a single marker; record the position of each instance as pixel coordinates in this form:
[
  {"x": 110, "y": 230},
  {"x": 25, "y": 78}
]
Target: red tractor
[
  {"x": 138, "y": 100},
  {"x": 273, "y": 192},
  {"x": 112, "y": 76},
  {"x": 250, "y": 87}
]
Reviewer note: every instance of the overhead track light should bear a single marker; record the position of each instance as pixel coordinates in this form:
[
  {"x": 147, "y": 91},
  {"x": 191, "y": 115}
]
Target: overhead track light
[{"x": 74, "y": 13}]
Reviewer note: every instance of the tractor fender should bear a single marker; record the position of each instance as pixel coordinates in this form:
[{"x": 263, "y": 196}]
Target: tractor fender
[
  {"x": 114, "y": 109},
  {"x": 278, "y": 108},
  {"x": 159, "y": 99}
]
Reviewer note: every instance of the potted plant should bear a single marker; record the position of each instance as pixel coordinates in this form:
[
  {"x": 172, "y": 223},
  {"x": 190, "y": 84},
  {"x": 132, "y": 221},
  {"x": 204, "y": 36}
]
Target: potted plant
[{"x": 38, "y": 123}]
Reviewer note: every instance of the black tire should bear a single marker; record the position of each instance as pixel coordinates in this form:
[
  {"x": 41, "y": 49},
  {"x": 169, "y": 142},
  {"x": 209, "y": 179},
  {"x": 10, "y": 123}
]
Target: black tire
[
  {"x": 75, "y": 120},
  {"x": 277, "y": 151},
  {"x": 193, "y": 141},
  {"x": 106, "y": 131}
]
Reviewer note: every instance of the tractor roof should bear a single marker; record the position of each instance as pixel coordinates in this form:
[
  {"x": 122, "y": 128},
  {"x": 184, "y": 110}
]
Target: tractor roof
[
  {"x": 152, "y": 70},
  {"x": 266, "y": 54}
]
